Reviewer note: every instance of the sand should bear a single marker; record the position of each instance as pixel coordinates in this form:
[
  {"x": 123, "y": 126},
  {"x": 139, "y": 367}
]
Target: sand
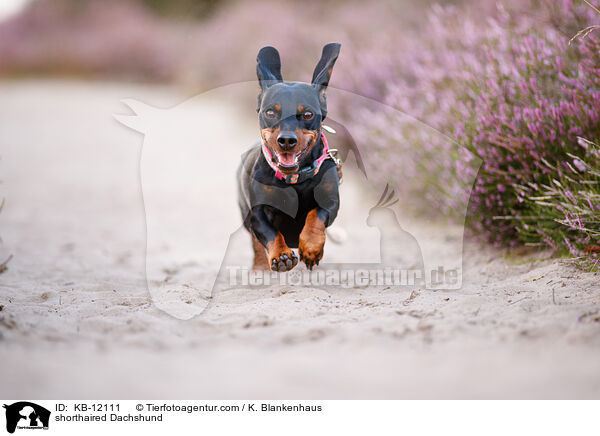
[{"x": 78, "y": 320}]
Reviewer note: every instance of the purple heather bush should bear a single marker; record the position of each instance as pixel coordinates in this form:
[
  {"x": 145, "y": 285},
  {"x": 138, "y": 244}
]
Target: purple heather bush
[
  {"x": 569, "y": 205},
  {"x": 510, "y": 99},
  {"x": 524, "y": 116}
]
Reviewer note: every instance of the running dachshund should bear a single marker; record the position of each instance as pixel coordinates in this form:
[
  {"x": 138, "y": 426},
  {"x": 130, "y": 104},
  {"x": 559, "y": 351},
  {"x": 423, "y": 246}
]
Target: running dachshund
[{"x": 288, "y": 183}]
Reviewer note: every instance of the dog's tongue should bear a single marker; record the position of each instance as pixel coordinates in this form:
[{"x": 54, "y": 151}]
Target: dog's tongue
[{"x": 287, "y": 159}]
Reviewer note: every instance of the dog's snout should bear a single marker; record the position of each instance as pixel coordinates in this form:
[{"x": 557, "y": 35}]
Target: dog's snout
[{"x": 287, "y": 141}]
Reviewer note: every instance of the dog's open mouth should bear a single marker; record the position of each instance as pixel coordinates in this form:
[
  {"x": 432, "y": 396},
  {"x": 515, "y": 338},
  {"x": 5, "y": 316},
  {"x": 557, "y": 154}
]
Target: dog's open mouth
[{"x": 288, "y": 161}]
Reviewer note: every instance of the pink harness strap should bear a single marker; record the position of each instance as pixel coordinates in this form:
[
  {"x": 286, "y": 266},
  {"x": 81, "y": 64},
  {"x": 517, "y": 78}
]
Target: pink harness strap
[{"x": 324, "y": 156}]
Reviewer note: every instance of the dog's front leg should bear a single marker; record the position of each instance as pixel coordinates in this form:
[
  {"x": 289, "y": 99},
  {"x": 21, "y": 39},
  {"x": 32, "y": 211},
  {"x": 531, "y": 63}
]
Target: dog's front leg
[
  {"x": 280, "y": 256},
  {"x": 312, "y": 237}
]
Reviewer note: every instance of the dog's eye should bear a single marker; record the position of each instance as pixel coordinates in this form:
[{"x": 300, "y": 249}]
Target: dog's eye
[
  {"x": 307, "y": 115},
  {"x": 270, "y": 113}
]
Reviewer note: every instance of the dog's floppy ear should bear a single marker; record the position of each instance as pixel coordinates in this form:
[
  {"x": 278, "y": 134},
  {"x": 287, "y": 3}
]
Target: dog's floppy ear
[
  {"x": 268, "y": 68},
  {"x": 322, "y": 73}
]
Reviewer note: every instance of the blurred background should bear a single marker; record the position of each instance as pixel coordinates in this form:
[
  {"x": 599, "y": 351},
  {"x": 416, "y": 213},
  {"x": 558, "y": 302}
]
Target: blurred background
[
  {"x": 504, "y": 98},
  {"x": 470, "y": 70}
]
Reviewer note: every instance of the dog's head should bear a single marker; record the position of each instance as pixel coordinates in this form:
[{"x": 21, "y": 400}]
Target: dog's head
[{"x": 291, "y": 113}]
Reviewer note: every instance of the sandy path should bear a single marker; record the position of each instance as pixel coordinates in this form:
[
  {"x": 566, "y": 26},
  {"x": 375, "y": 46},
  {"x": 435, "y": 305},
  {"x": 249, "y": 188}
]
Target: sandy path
[{"x": 77, "y": 320}]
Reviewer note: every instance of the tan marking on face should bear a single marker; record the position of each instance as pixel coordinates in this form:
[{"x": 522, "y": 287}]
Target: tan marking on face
[
  {"x": 269, "y": 136},
  {"x": 306, "y": 140},
  {"x": 277, "y": 107},
  {"x": 300, "y": 108}
]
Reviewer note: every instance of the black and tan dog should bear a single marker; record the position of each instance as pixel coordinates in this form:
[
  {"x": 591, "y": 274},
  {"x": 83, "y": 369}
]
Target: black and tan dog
[{"x": 288, "y": 183}]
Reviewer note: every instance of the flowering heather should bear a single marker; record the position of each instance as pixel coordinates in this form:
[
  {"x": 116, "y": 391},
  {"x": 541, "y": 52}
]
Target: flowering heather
[
  {"x": 515, "y": 96},
  {"x": 424, "y": 74},
  {"x": 523, "y": 117},
  {"x": 565, "y": 211}
]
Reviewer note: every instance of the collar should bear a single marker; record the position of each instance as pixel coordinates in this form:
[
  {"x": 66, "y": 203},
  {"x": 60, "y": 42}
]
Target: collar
[{"x": 302, "y": 174}]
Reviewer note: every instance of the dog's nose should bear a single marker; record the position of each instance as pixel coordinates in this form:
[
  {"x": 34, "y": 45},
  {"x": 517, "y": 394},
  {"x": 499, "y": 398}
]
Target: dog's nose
[{"x": 287, "y": 141}]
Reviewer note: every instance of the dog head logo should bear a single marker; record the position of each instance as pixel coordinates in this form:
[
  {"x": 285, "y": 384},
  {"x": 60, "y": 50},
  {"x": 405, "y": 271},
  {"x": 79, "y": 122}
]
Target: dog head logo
[{"x": 26, "y": 415}]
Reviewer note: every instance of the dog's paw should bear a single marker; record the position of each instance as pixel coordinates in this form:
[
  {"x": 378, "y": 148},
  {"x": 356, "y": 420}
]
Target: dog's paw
[
  {"x": 312, "y": 240},
  {"x": 311, "y": 252},
  {"x": 284, "y": 261}
]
